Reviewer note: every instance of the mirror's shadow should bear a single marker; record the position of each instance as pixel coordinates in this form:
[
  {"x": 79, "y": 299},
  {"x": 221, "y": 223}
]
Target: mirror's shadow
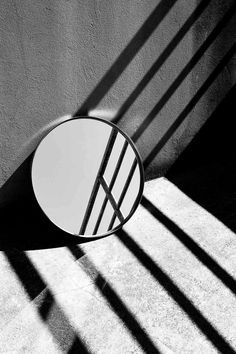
[{"x": 23, "y": 224}]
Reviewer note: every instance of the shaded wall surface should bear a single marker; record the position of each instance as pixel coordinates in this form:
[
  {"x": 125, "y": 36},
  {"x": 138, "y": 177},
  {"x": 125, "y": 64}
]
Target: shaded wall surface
[{"x": 138, "y": 63}]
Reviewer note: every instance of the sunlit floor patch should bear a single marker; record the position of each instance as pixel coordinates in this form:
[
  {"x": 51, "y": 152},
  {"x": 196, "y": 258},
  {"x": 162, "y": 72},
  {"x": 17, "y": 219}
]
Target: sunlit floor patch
[{"x": 207, "y": 230}]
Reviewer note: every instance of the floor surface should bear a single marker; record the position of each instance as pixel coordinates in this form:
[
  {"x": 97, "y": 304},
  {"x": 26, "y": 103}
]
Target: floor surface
[{"x": 163, "y": 284}]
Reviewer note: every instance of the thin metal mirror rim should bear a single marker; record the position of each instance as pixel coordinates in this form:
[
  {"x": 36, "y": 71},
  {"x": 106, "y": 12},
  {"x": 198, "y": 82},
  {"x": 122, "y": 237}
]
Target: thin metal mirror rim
[{"x": 139, "y": 163}]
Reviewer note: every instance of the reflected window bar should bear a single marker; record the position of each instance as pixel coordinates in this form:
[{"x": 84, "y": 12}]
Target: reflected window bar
[{"x": 100, "y": 181}]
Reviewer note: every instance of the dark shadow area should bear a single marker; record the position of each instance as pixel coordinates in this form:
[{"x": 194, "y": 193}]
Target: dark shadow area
[
  {"x": 48, "y": 309},
  {"x": 24, "y": 226},
  {"x": 206, "y": 170},
  {"x": 183, "y": 115},
  {"x": 192, "y": 246},
  {"x": 177, "y": 295},
  {"x": 157, "y": 65},
  {"x": 116, "y": 303},
  {"x": 126, "y": 56}
]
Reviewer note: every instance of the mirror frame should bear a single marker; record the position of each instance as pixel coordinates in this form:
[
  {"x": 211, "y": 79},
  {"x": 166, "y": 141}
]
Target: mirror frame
[{"x": 139, "y": 164}]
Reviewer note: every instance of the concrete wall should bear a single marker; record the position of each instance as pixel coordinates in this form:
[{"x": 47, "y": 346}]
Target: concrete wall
[{"x": 86, "y": 57}]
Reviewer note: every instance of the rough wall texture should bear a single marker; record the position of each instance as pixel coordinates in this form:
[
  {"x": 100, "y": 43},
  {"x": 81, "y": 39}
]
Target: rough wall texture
[{"x": 53, "y": 54}]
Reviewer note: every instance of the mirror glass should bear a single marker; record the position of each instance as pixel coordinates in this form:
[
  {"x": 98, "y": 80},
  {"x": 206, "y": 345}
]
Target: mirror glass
[{"x": 87, "y": 176}]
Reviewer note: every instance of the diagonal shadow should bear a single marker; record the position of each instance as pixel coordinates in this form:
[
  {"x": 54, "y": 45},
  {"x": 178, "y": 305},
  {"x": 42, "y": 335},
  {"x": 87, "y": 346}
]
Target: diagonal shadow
[
  {"x": 160, "y": 61},
  {"x": 124, "y": 59},
  {"x": 35, "y": 286},
  {"x": 183, "y": 74},
  {"x": 178, "y": 296},
  {"x": 115, "y": 302},
  {"x": 206, "y": 170},
  {"x": 181, "y": 117},
  {"x": 192, "y": 246}
]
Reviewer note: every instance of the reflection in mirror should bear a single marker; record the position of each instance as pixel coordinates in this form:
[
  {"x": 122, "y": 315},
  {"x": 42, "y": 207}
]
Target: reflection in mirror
[{"x": 87, "y": 177}]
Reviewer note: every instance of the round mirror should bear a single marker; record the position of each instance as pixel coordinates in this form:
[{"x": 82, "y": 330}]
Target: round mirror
[{"x": 87, "y": 176}]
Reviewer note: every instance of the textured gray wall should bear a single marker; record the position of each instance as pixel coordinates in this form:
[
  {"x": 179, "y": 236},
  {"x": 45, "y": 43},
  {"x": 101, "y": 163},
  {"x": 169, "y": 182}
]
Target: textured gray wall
[{"x": 54, "y": 54}]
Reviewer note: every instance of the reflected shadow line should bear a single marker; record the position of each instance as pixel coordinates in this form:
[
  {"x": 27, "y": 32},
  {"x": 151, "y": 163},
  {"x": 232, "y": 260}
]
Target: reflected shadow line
[
  {"x": 115, "y": 302},
  {"x": 126, "y": 56},
  {"x": 161, "y": 60},
  {"x": 189, "y": 106},
  {"x": 177, "y": 295},
  {"x": 192, "y": 246},
  {"x": 35, "y": 286}
]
